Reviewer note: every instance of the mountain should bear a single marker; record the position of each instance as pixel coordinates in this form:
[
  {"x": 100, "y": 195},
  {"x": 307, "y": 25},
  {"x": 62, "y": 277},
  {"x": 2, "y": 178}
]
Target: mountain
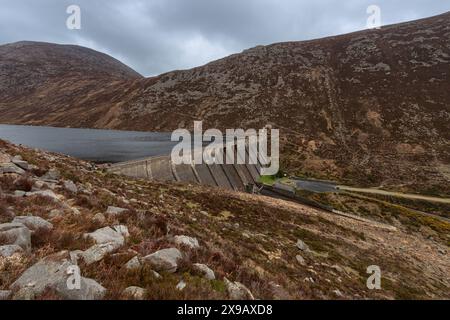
[
  {"x": 370, "y": 107},
  {"x": 44, "y": 82}
]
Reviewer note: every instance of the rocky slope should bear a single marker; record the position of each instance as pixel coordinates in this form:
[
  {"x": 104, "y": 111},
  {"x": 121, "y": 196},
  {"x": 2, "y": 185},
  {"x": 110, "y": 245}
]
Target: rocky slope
[
  {"x": 135, "y": 239},
  {"x": 370, "y": 107}
]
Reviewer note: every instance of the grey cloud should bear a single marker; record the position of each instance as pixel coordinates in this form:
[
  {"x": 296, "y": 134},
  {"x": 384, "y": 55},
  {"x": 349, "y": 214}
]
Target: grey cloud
[{"x": 157, "y": 36}]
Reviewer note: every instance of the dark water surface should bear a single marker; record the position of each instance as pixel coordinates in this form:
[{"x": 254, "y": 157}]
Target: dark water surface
[{"x": 90, "y": 144}]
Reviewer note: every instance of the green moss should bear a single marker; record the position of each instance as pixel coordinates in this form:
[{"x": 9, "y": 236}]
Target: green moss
[
  {"x": 218, "y": 285},
  {"x": 268, "y": 180}
]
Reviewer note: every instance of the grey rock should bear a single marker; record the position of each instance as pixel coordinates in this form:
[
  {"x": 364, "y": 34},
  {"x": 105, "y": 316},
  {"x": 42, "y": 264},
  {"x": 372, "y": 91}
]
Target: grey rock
[
  {"x": 204, "y": 270},
  {"x": 135, "y": 293},
  {"x": 10, "y": 168},
  {"x": 237, "y": 291},
  {"x": 133, "y": 264},
  {"x": 123, "y": 230},
  {"x": 89, "y": 290},
  {"x": 181, "y": 285},
  {"x": 34, "y": 223},
  {"x": 106, "y": 235},
  {"x": 75, "y": 256},
  {"x": 300, "y": 260},
  {"x": 98, "y": 252},
  {"x": 16, "y": 233},
  {"x": 46, "y": 273},
  {"x": 19, "y": 193},
  {"x": 164, "y": 260},
  {"x": 70, "y": 186},
  {"x": 9, "y": 250},
  {"x": 115, "y": 211},
  {"x": 43, "y": 193},
  {"x": 51, "y": 175},
  {"x": 21, "y": 164},
  {"x": 338, "y": 293},
  {"x": 302, "y": 246},
  {"x": 38, "y": 185},
  {"x": 5, "y": 294},
  {"x": 187, "y": 241}
]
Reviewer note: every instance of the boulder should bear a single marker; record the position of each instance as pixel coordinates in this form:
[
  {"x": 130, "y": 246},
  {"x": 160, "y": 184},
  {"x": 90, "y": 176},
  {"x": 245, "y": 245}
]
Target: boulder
[
  {"x": 51, "y": 175},
  {"x": 302, "y": 246},
  {"x": 34, "y": 223},
  {"x": 5, "y": 294},
  {"x": 123, "y": 230},
  {"x": 164, "y": 260},
  {"x": 187, "y": 241},
  {"x": 237, "y": 291},
  {"x": 98, "y": 252},
  {"x": 106, "y": 235},
  {"x": 135, "y": 293},
  {"x": 43, "y": 193},
  {"x": 75, "y": 256},
  {"x": 19, "y": 193},
  {"x": 115, "y": 211},
  {"x": 204, "y": 270},
  {"x": 10, "y": 168},
  {"x": 16, "y": 233},
  {"x": 9, "y": 250},
  {"x": 89, "y": 290},
  {"x": 70, "y": 186},
  {"x": 133, "y": 264},
  {"x": 47, "y": 273},
  {"x": 300, "y": 260},
  {"x": 20, "y": 163}
]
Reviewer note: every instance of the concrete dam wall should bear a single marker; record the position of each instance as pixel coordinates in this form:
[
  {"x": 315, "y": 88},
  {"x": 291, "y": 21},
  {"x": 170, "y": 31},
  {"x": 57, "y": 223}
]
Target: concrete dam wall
[{"x": 229, "y": 176}]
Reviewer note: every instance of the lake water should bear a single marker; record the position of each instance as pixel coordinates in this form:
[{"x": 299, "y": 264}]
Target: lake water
[{"x": 91, "y": 144}]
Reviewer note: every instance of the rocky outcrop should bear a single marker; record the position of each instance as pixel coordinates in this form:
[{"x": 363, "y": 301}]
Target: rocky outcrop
[
  {"x": 106, "y": 235},
  {"x": 187, "y": 241},
  {"x": 16, "y": 234},
  {"x": 133, "y": 264},
  {"x": 204, "y": 270},
  {"x": 47, "y": 273},
  {"x": 164, "y": 260},
  {"x": 34, "y": 223}
]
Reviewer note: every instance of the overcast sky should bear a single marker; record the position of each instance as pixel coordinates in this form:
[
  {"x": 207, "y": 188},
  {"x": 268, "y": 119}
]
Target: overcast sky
[{"x": 156, "y": 36}]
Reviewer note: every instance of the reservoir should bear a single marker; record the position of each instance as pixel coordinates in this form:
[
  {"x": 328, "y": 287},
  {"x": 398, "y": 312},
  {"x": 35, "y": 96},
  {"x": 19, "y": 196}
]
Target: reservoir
[{"x": 101, "y": 146}]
